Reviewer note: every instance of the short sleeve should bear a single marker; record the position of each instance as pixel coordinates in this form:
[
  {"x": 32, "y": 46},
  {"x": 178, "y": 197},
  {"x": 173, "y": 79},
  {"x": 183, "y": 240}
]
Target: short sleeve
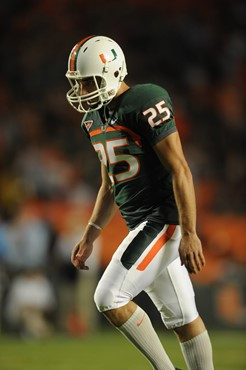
[{"x": 156, "y": 117}]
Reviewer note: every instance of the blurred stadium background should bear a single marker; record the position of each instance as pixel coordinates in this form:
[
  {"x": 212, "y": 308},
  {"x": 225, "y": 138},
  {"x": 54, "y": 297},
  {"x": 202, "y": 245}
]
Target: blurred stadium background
[{"x": 50, "y": 175}]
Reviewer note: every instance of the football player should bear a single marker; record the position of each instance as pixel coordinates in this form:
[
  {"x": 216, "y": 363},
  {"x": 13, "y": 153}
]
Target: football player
[{"x": 145, "y": 176}]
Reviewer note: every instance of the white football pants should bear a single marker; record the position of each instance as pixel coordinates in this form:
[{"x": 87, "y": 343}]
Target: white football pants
[{"x": 148, "y": 260}]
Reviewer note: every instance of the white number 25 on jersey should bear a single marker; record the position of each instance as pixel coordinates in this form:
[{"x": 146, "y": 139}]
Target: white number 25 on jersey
[
  {"x": 108, "y": 154},
  {"x": 159, "y": 108}
]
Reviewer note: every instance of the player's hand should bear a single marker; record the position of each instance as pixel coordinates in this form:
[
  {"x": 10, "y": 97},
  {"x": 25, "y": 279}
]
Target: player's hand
[
  {"x": 80, "y": 253},
  {"x": 191, "y": 255}
]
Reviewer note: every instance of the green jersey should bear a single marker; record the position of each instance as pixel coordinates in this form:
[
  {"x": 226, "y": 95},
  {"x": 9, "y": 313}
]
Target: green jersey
[{"x": 124, "y": 140}]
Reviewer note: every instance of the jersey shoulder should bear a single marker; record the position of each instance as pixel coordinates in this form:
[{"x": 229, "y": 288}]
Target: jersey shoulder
[
  {"x": 142, "y": 95},
  {"x": 147, "y": 109},
  {"x": 149, "y": 90}
]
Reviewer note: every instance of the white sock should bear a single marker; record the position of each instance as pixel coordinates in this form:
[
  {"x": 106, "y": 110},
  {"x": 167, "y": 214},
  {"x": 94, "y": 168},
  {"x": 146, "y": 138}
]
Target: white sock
[
  {"x": 140, "y": 332},
  {"x": 198, "y": 352}
]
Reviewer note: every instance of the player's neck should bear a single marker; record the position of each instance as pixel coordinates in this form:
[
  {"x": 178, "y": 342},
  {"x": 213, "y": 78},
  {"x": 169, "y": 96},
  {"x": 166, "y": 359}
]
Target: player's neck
[{"x": 123, "y": 88}]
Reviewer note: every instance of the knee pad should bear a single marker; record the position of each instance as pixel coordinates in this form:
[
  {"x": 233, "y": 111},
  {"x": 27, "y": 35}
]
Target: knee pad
[
  {"x": 103, "y": 299},
  {"x": 178, "y": 314},
  {"x": 107, "y": 298}
]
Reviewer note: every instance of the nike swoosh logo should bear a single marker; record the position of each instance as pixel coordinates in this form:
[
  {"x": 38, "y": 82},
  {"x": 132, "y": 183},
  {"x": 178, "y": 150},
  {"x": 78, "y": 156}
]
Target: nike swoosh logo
[{"x": 140, "y": 322}]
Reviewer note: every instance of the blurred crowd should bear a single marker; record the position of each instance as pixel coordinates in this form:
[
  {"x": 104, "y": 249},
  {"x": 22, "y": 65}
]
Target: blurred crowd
[{"x": 196, "y": 50}]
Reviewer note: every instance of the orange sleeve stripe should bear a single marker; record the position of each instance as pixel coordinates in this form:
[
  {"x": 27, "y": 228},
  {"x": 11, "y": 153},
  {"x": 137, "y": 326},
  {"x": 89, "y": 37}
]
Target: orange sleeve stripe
[{"x": 156, "y": 248}]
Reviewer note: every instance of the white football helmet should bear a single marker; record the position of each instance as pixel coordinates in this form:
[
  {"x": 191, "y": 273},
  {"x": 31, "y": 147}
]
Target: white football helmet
[{"x": 100, "y": 60}]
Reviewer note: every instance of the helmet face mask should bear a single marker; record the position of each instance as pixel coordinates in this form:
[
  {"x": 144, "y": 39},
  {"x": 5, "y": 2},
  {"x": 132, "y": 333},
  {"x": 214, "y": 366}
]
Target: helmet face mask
[
  {"x": 96, "y": 68},
  {"x": 92, "y": 100}
]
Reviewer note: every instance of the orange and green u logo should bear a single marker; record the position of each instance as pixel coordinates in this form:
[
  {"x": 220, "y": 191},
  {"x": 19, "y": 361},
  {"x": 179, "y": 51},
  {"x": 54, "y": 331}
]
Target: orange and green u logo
[{"x": 107, "y": 58}]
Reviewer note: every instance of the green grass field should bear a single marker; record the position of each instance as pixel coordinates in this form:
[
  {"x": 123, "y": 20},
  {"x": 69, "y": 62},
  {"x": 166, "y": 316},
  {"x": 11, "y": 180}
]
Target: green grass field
[{"x": 110, "y": 351}]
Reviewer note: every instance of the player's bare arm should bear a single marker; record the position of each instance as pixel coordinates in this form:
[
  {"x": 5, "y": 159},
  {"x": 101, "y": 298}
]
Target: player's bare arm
[
  {"x": 170, "y": 152},
  {"x": 103, "y": 212}
]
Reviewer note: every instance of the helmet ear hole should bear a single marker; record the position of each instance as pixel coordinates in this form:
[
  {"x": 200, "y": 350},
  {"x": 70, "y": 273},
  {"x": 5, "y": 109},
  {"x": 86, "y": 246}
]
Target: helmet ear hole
[{"x": 116, "y": 74}]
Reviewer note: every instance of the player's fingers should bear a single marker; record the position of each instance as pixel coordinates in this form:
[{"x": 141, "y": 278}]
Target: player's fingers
[
  {"x": 182, "y": 258},
  {"x": 80, "y": 261},
  {"x": 202, "y": 258},
  {"x": 74, "y": 261},
  {"x": 198, "y": 262},
  {"x": 78, "y": 264},
  {"x": 74, "y": 252},
  {"x": 77, "y": 261},
  {"x": 191, "y": 263},
  {"x": 82, "y": 266},
  {"x": 186, "y": 261},
  {"x": 80, "y": 253}
]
